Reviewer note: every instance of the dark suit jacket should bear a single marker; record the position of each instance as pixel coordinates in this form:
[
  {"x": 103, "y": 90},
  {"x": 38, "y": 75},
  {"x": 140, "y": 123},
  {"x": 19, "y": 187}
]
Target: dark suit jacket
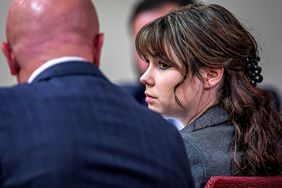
[
  {"x": 72, "y": 128},
  {"x": 137, "y": 90}
]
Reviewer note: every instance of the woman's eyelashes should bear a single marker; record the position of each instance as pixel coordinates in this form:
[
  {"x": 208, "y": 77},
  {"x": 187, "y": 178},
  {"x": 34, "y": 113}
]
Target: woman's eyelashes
[
  {"x": 159, "y": 63},
  {"x": 163, "y": 66}
]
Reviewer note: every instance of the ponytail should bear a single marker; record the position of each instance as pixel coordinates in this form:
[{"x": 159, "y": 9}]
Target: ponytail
[{"x": 257, "y": 126}]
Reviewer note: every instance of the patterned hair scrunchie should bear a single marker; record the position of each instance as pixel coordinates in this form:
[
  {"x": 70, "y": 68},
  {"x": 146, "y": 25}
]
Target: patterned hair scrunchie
[{"x": 254, "y": 70}]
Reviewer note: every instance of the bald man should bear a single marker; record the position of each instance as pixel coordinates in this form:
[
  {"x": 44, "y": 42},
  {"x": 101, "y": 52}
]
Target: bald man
[{"x": 65, "y": 125}]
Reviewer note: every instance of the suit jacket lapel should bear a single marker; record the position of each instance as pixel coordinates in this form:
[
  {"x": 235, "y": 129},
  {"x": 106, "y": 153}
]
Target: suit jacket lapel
[{"x": 212, "y": 117}]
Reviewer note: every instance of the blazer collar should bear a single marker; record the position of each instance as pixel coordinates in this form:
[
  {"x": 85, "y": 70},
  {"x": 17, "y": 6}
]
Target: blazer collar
[
  {"x": 213, "y": 116},
  {"x": 68, "y": 68}
]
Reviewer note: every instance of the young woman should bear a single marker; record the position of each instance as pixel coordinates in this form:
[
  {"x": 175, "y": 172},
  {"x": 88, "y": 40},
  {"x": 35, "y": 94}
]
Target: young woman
[{"x": 203, "y": 70}]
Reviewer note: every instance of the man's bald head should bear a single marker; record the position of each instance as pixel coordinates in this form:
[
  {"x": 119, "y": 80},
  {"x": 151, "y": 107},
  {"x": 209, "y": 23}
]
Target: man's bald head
[{"x": 39, "y": 30}]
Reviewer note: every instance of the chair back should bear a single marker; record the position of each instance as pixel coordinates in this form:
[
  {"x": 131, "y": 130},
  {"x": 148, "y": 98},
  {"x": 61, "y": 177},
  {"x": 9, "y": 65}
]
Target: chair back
[{"x": 244, "y": 182}]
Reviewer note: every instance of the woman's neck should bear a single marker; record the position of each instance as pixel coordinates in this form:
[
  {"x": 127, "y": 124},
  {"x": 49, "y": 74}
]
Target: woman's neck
[{"x": 202, "y": 108}]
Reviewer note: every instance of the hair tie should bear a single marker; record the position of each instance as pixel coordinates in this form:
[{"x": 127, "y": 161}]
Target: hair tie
[{"x": 254, "y": 70}]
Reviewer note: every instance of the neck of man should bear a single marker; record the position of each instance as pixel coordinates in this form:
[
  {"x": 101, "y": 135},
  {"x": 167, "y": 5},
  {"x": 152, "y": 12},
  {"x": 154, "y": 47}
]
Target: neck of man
[{"x": 29, "y": 64}]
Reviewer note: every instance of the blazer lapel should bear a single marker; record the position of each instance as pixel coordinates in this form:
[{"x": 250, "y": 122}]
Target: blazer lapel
[{"x": 213, "y": 116}]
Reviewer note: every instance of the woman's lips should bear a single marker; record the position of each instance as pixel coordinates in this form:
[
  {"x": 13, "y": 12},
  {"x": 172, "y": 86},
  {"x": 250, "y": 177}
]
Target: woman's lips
[{"x": 149, "y": 98}]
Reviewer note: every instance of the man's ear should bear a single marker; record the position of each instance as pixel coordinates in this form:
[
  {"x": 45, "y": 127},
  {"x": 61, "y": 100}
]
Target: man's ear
[
  {"x": 12, "y": 62},
  {"x": 212, "y": 77},
  {"x": 97, "y": 48}
]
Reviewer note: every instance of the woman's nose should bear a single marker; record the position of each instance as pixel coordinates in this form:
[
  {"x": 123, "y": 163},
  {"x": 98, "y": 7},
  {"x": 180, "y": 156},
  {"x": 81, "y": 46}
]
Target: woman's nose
[{"x": 147, "y": 78}]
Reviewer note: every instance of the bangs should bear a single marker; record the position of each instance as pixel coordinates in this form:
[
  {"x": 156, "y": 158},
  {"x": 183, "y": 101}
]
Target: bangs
[{"x": 153, "y": 40}]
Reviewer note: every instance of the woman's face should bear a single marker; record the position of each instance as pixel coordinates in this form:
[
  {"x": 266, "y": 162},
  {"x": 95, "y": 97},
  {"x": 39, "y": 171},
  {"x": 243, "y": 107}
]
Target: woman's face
[{"x": 160, "y": 80}]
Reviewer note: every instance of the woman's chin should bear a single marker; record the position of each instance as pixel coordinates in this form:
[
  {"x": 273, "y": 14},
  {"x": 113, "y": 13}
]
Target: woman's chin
[{"x": 154, "y": 108}]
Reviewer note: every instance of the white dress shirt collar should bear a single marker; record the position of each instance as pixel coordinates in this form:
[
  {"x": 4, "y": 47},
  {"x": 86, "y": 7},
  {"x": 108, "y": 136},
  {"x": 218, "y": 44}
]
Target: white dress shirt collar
[
  {"x": 175, "y": 122},
  {"x": 51, "y": 63}
]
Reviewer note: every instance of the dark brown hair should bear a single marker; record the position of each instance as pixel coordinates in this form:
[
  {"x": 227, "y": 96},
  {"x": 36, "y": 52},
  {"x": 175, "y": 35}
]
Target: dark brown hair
[{"x": 210, "y": 36}]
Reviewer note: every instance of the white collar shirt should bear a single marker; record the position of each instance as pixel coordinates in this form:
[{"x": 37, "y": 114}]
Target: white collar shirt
[{"x": 51, "y": 63}]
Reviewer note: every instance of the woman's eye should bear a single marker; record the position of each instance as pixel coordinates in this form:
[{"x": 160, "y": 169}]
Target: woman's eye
[{"x": 163, "y": 66}]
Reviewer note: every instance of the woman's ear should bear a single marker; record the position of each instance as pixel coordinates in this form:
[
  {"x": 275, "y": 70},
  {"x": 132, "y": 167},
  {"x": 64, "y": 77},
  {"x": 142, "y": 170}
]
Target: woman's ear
[
  {"x": 11, "y": 59},
  {"x": 212, "y": 77}
]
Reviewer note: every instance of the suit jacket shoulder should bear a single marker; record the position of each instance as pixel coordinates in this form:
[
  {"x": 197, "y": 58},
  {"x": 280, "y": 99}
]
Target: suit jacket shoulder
[{"x": 71, "y": 127}]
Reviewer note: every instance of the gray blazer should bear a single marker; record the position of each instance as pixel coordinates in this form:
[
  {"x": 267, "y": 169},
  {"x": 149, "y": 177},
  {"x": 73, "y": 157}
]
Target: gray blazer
[{"x": 208, "y": 142}]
